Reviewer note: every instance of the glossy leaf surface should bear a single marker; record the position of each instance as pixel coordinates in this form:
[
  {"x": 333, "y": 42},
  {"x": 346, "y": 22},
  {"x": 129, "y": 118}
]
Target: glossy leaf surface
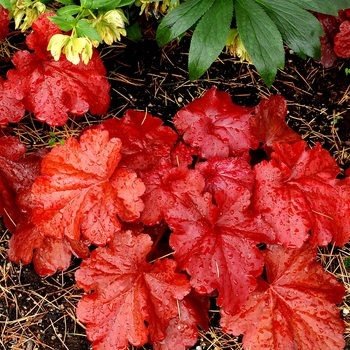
[
  {"x": 216, "y": 126},
  {"x": 82, "y": 190},
  {"x": 295, "y": 309},
  {"x": 53, "y": 89},
  {"x": 127, "y": 292}
]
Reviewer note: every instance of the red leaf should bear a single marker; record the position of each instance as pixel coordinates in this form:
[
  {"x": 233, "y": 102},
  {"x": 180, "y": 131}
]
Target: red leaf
[
  {"x": 51, "y": 89},
  {"x": 342, "y": 40},
  {"x": 48, "y": 254},
  {"x": 330, "y": 25},
  {"x": 82, "y": 190},
  {"x": 127, "y": 292},
  {"x": 182, "y": 331},
  {"x": 295, "y": 310},
  {"x": 220, "y": 173},
  {"x": 269, "y": 123},
  {"x": 164, "y": 187},
  {"x": 217, "y": 244},
  {"x": 216, "y": 125},
  {"x": 16, "y": 175},
  {"x": 11, "y": 109},
  {"x": 182, "y": 154},
  {"x": 145, "y": 140},
  {"x": 297, "y": 191},
  {"x": 4, "y": 22}
]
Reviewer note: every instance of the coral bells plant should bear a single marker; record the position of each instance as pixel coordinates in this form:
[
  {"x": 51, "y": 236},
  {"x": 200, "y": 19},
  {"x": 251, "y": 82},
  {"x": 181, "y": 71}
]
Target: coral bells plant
[{"x": 166, "y": 219}]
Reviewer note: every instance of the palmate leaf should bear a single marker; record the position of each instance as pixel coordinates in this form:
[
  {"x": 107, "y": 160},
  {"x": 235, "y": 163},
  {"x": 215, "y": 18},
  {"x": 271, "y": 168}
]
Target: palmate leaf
[
  {"x": 131, "y": 299},
  {"x": 83, "y": 191},
  {"x": 209, "y": 37},
  {"x": 295, "y": 309},
  {"x": 297, "y": 191},
  {"x": 51, "y": 89},
  {"x": 300, "y": 29},
  {"x": 216, "y": 126},
  {"x": 261, "y": 38}
]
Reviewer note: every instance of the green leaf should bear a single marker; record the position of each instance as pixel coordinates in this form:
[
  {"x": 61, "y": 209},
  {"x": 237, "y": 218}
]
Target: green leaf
[
  {"x": 51, "y": 142},
  {"x": 261, "y": 39},
  {"x": 69, "y": 10},
  {"x": 126, "y": 2},
  {"x": 52, "y": 134},
  {"x": 99, "y": 4},
  {"x": 329, "y": 7},
  {"x": 134, "y": 32},
  {"x": 6, "y": 4},
  {"x": 299, "y": 28},
  {"x": 346, "y": 262},
  {"x": 65, "y": 23},
  {"x": 178, "y": 20},
  {"x": 84, "y": 30},
  {"x": 62, "y": 142},
  {"x": 209, "y": 37},
  {"x": 66, "y": 2}
]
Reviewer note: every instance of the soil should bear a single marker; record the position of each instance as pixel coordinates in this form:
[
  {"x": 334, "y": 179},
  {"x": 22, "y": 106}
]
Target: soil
[{"x": 39, "y": 313}]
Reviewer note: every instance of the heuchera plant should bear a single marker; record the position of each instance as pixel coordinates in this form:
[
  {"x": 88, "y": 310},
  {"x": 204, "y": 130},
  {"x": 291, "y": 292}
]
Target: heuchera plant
[
  {"x": 51, "y": 89},
  {"x": 174, "y": 218}
]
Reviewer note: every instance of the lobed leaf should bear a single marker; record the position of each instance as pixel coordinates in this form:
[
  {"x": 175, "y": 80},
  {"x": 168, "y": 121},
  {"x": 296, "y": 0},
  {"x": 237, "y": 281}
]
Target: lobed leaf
[
  {"x": 216, "y": 244},
  {"x": 297, "y": 191},
  {"x": 216, "y": 126},
  {"x": 52, "y": 89},
  {"x": 269, "y": 123},
  {"x": 81, "y": 191},
  {"x": 295, "y": 309},
  {"x": 341, "y": 40},
  {"x": 4, "y": 19},
  {"x": 130, "y": 298},
  {"x": 145, "y": 140}
]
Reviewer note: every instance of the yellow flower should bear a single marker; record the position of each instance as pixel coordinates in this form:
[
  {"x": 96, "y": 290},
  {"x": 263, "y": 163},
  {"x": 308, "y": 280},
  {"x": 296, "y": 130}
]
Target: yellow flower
[
  {"x": 110, "y": 26},
  {"x": 56, "y": 44},
  {"x": 72, "y": 47},
  {"x": 29, "y": 10},
  {"x": 235, "y": 46}
]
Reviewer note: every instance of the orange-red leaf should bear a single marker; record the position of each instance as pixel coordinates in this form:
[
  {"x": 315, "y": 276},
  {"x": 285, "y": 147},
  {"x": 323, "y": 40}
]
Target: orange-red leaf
[
  {"x": 295, "y": 309},
  {"x": 82, "y": 190},
  {"x": 131, "y": 298}
]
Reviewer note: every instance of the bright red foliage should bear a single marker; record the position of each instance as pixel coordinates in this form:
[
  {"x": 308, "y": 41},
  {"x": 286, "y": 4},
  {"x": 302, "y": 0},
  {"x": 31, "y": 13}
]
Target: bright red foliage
[
  {"x": 342, "y": 40},
  {"x": 11, "y": 109},
  {"x": 295, "y": 309},
  {"x": 296, "y": 192},
  {"x": 83, "y": 191},
  {"x": 51, "y": 89},
  {"x": 216, "y": 126},
  {"x": 269, "y": 123},
  {"x": 213, "y": 202},
  {"x": 217, "y": 244},
  {"x": 145, "y": 140},
  {"x": 4, "y": 22},
  {"x": 127, "y": 291}
]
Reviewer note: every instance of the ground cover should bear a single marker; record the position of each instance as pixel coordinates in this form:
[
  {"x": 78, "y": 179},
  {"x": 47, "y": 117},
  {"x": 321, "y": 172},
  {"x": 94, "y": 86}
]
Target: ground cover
[{"x": 40, "y": 312}]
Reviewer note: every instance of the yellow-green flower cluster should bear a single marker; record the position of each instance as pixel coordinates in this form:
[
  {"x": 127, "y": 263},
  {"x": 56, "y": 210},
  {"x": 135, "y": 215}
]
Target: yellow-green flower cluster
[
  {"x": 110, "y": 26},
  {"x": 25, "y": 12},
  {"x": 72, "y": 47},
  {"x": 235, "y": 46}
]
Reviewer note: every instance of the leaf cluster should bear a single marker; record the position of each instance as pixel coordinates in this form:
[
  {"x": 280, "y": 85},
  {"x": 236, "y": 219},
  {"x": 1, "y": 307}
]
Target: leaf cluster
[
  {"x": 263, "y": 26},
  {"x": 176, "y": 217}
]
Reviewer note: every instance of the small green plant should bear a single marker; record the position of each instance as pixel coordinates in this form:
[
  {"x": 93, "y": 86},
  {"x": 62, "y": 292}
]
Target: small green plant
[
  {"x": 54, "y": 140},
  {"x": 347, "y": 71}
]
